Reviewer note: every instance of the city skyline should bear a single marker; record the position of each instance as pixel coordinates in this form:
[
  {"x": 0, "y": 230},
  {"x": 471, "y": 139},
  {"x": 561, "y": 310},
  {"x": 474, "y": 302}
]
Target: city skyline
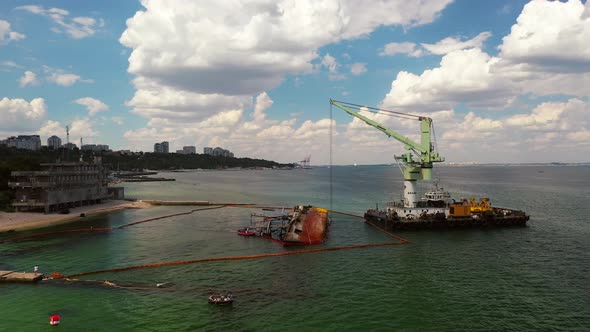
[{"x": 504, "y": 81}]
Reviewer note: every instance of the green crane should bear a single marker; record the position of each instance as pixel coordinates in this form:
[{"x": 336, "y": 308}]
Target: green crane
[{"x": 424, "y": 152}]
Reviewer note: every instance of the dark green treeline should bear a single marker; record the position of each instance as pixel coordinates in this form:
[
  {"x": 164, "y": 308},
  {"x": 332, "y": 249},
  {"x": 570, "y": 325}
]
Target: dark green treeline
[{"x": 12, "y": 159}]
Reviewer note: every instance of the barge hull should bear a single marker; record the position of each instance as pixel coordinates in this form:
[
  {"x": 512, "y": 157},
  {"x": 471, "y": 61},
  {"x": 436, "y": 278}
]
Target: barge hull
[{"x": 437, "y": 222}]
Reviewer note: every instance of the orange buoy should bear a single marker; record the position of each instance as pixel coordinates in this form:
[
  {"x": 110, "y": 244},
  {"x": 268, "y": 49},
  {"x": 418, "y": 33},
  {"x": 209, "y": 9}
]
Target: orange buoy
[{"x": 54, "y": 320}]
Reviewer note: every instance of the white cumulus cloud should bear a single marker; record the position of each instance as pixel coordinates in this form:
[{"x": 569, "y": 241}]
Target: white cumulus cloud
[
  {"x": 20, "y": 115},
  {"x": 204, "y": 64},
  {"x": 408, "y": 48},
  {"x": 464, "y": 76},
  {"x": 444, "y": 46},
  {"x": 28, "y": 78},
  {"x": 92, "y": 105},
  {"x": 358, "y": 68},
  {"x": 550, "y": 36},
  {"x": 79, "y": 128},
  {"x": 76, "y": 27},
  {"x": 451, "y": 44},
  {"x": 7, "y": 35},
  {"x": 63, "y": 78}
]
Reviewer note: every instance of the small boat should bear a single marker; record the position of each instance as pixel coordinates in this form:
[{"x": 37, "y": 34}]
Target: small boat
[
  {"x": 246, "y": 232},
  {"x": 221, "y": 299}
]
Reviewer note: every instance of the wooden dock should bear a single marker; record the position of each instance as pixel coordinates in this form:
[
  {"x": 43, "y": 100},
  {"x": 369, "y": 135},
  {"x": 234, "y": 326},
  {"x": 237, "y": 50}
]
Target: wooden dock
[{"x": 11, "y": 276}]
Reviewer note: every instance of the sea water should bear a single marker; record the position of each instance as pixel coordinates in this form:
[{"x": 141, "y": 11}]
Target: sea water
[{"x": 513, "y": 279}]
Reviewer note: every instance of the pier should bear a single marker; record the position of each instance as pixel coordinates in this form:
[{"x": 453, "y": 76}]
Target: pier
[{"x": 11, "y": 276}]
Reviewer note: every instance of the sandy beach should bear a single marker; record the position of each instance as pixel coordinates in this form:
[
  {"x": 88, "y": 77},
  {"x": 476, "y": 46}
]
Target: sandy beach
[{"x": 28, "y": 220}]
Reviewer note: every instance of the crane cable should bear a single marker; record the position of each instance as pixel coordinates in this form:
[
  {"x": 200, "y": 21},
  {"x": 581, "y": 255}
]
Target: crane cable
[
  {"x": 331, "y": 160},
  {"x": 380, "y": 110}
]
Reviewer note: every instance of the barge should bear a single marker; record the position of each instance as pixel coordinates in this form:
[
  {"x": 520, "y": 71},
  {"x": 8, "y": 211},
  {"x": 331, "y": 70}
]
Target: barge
[{"x": 436, "y": 210}]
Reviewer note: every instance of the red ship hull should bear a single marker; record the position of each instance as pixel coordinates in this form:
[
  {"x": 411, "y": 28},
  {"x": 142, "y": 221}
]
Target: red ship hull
[{"x": 308, "y": 226}]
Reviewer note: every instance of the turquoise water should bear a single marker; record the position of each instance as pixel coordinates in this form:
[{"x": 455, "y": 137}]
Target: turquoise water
[{"x": 533, "y": 278}]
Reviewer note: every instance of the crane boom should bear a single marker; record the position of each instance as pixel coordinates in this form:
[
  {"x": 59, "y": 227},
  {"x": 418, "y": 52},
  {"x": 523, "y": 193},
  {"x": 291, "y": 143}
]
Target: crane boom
[
  {"x": 412, "y": 169},
  {"x": 407, "y": 142}
]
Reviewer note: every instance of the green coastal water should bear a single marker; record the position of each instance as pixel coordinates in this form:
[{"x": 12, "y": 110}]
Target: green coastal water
[{"x": 533, "y": 278}]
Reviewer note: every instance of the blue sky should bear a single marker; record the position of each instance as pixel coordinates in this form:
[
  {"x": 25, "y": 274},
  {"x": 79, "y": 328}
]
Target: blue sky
[{"x": 257, "y": 79}]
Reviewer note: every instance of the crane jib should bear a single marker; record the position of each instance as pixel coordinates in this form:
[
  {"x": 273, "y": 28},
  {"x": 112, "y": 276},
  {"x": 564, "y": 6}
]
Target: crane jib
[{"x": 424, "y": 149}]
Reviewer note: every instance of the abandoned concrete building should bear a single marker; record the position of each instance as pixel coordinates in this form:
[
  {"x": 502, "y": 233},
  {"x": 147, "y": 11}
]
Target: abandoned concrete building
[{"x": 60, "y": 186}]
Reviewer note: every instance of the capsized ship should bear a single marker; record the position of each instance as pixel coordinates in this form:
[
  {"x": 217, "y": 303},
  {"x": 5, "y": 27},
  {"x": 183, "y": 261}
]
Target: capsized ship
[
  {"x": 304, "y": 225},
  {"x": 435, "y": 209},
  {"x": 308, "y": 225}
]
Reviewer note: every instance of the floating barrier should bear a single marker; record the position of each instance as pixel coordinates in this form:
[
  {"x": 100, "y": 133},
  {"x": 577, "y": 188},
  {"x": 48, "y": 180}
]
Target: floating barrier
[
  {"x": 246, "y": 257},
  {"x": 234, "y": 258},
  {"x": 105, "y": 229},
  {"x": 56, "y": 275}
]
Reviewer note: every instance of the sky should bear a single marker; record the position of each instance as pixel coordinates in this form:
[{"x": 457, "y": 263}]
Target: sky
[{"x": 504, "y": 81}]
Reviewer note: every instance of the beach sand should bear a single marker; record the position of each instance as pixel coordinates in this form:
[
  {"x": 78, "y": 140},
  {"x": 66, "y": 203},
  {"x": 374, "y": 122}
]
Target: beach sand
[{"x": 27, "y": 220}]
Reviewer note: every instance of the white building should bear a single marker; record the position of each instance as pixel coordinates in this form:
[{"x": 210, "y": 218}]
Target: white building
[
  {"x": 29, "y": 142},
  {"x": 95, "y": 147},
  {"x": 54, "y": 142},
  {"x": 219, "y": 152}
]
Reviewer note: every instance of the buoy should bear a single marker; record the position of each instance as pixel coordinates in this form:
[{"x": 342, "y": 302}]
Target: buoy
[{"x": 54, "y": 320}]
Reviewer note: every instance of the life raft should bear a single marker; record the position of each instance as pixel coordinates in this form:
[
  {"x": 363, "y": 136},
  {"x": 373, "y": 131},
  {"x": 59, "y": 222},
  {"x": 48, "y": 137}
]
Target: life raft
[{"x": 54, "y": 320}]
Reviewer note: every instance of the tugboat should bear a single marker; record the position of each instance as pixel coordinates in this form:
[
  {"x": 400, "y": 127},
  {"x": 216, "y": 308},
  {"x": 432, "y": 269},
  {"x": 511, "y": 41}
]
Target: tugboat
[
  {"x": 221, "y": 299},
  {"x": 435, "y": 209}
]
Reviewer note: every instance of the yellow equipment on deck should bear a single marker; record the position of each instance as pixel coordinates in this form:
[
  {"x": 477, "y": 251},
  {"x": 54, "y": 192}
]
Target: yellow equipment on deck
[{"x": 482, "y": 206}]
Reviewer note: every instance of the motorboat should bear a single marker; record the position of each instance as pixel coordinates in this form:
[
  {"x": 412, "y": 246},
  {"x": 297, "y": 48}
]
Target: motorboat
[{"x": 221, "y": 299}]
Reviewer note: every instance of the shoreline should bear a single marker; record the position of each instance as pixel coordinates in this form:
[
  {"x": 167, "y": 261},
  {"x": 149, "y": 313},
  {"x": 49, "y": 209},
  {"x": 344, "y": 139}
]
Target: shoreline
[{"x": 20, "y": 221}]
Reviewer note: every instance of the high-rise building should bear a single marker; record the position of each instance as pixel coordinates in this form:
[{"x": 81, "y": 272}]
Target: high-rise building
[
  {"x": 162, "y": 147},
  {"x": 218, "y": 152},
  {"x": 70, "y": 146},
  {"x": 95, "y": 147},
  {"x": 54, "y": 142},
  {"x": 189, "y": 149},
  {"x": 29, "y": 142}
]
